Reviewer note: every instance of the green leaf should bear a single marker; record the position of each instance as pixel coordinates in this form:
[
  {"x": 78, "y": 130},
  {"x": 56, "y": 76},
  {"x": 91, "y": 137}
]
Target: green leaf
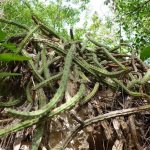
[
  {"x": 2, "y": 35},
  {"x": 6, "y": 74},
  {"x": 12, "y": 57},
  {"x": 10, "y": 46},
  {"x": 145, "y": 53}
]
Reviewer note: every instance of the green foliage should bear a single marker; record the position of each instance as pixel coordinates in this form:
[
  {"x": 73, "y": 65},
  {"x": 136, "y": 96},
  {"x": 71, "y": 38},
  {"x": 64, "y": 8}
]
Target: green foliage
[
  {"x": 60, "y": 14},
  {"x": 6, "y": 57},
  {"x": 12, "y": 57},
  {"x": 15, "y": 10},
  {"x": 134, "y": 18},
  {"x": 2, "y": 35},
  {"x": 145, "y": 53},
  {"x": 9, "y": 46}
]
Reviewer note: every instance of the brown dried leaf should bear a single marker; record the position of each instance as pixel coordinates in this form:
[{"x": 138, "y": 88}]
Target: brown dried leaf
[
  {"x": 118, "y": 145},
  {"x": 123, "y": 124},
  {"x": 116, "y": 125},
  {"x": 107, "y": 129}
]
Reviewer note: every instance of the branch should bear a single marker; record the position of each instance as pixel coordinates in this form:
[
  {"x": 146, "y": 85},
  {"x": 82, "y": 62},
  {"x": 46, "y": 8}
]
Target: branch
[{"x": 106, "y": 116}]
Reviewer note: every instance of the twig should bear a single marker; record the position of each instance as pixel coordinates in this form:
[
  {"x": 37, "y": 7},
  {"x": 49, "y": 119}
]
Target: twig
[
  {"x": 134, "y": 133},
  {"x": 76, "y": 118},
  {"x": 109, "y": 115}
]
